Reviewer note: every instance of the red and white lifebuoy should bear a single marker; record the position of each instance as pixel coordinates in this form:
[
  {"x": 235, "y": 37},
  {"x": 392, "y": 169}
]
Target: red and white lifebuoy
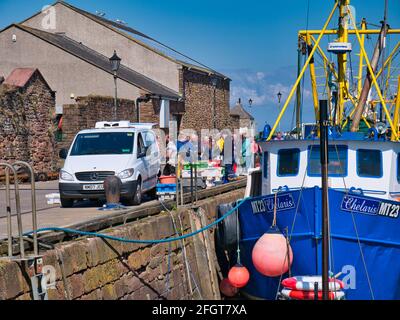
[
  {"x": 309, "y": 295},
  {"x": 306, "y": 283}
]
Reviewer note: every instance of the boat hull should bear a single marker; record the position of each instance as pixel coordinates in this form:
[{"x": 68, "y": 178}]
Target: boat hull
[{"x": 365, "y": 240}]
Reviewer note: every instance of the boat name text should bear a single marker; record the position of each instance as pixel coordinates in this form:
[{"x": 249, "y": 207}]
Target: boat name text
[
  {"x": 266, "y": 205},
  {"x": 370, "y": 207}
]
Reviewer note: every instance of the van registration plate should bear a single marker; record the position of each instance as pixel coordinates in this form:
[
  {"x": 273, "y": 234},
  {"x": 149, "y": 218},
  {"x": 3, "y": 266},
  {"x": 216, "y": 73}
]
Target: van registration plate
[{"x": 93, "y": 187}]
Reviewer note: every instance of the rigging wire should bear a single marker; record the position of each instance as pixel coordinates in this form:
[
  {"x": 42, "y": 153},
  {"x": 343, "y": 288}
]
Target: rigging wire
[
  {"x": 356, "y": 230},
  {"x": 384, "y": 44},
  {"x": 296, "y": 213}
]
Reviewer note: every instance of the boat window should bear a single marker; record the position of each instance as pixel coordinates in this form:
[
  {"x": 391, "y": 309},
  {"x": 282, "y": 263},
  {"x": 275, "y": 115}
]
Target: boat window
[
  {"x": 265, "y": 165},
  {"x": 369, "y": 163},
  {"x": 288, "y": 162},
  {"x": 337, "y": 156}
]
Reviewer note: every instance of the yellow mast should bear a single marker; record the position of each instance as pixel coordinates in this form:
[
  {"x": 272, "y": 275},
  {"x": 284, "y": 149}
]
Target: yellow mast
[
  {"x": 374, "y": 81},
  {"x": 340, "y": 76},
  {"x": 342, "y": 60},
  {"x": 396, "y": 112},
  {"x": 361, "y": 62},
  {"x": 313, "y": 78},
  {"x": 301, "y": 73}
]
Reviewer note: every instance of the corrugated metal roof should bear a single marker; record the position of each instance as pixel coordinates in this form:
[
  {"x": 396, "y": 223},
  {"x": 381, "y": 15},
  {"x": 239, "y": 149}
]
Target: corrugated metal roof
[{"x": 102, "y": 62}]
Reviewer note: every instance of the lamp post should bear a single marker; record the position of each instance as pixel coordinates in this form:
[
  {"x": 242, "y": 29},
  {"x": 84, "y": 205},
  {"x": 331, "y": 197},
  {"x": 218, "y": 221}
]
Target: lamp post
[
  {"x": 214, "y": 82},
  {"x": 279, "y": 106},
  {"x": 250, "y": 102},
  {"x": 115, "y": 62}
]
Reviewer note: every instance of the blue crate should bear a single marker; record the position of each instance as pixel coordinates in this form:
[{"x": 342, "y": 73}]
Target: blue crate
[{"x": 166, "y": 188}]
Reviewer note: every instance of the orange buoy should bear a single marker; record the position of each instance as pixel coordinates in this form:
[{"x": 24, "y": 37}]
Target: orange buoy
[
  {"x": 270, "y": 254},
  {"x": 227, "y": 288},
  {"x": 238, "y": 276}
]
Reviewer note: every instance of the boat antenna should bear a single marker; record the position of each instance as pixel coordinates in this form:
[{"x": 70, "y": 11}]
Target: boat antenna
[
  {"x": 324, "y": 124},
  {"x": 384, "y": 46}
]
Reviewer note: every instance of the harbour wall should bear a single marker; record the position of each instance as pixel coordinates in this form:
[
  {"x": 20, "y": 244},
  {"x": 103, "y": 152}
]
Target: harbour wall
[{"x": 94, "y": 268}]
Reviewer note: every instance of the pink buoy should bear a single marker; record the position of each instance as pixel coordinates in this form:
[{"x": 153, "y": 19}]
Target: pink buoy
[
  {"x": 227, "y": 289},
  {"x": 270, "y": 254},
  {"x": 238, "y": 276}
]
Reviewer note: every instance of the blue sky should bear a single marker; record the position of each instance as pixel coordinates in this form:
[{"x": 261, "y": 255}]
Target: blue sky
[{"x": 254, "y": 42}]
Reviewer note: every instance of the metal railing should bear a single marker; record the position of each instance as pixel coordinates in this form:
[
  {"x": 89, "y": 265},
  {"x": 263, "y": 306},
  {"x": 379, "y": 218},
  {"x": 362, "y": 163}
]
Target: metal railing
[{"x": 12, "y": 167}]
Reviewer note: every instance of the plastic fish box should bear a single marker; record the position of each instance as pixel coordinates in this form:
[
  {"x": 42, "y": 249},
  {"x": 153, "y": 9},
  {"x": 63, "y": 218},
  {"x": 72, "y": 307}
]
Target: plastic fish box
[{"x": 166, "y": 188}]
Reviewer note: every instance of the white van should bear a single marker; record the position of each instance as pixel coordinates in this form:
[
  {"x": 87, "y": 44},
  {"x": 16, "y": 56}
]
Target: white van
[{"x": 127, "y": 150}]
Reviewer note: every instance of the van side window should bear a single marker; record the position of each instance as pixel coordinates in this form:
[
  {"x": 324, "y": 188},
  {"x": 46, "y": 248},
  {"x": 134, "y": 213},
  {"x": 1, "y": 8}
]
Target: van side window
[
  {"x": 288, "y": 162},
  {"x": 140, "y": 146},
  {"x": 149, "y": 138},
  {"x": 369, "y": 163}
]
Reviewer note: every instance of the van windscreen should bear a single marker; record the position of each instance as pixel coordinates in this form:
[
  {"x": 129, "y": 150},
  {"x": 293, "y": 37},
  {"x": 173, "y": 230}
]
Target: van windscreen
[{"x": 103, "y": 143}]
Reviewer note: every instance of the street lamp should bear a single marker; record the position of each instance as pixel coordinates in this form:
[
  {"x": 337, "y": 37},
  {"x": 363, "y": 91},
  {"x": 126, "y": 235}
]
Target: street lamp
[
  {"x": 115, "y": 62},
  {"x": 250, "y": 102},
  {"x": 279, "y": 96},
  {"x": 279, "y": 106},
  {"x": 214, "y": 82}
]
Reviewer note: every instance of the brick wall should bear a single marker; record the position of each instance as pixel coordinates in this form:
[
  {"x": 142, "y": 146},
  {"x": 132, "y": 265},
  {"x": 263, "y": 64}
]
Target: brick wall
[
  {"x": 93, "y": 269},
  {"x": 199, "y": 100},
  {"x": 26, "y": 124},
  {"x": 88, "y": 110}
]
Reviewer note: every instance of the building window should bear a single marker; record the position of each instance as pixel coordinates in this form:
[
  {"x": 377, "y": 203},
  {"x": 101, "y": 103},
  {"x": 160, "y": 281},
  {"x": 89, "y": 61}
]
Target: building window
[
  {"x": 265, "y": 165},
  {"x": 369, "y": 163},
  {"x": 337, "y": 157},
  {"x": 288, "y": 162}
]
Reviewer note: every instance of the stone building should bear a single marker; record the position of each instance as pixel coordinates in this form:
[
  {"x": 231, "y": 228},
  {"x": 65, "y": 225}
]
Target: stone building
[
  {"x": 71, "y": 48},
  {"x": 245, "y": 119},
  {"x": 26, "y": 114}
]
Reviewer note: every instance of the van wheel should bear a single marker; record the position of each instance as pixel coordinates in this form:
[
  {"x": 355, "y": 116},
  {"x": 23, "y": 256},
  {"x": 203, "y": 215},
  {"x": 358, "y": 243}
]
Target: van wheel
[
  {"x": 66, "y": 203},
  {"x": 136, "y": 198}
]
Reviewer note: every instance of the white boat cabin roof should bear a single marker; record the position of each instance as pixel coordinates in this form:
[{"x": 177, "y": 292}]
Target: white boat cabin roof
[{"x": 371, "y": 167}]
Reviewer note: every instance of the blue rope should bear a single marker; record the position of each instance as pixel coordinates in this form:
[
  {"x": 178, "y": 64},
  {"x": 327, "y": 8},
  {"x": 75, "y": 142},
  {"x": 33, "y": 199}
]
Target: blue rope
[{"x": 104, "y": 236}]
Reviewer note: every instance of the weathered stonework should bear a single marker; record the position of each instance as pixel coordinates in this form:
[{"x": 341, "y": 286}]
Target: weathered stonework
[
  {"x": 26, "y": 124},
  {"x": 89, "y": 110},
  {"x": 199, "y": 95},
  {"x": 96, "y": 269}
]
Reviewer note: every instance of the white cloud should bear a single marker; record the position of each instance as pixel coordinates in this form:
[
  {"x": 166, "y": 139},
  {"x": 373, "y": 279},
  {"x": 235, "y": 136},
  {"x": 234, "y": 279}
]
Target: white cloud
[{"x": 262, "y": 87}]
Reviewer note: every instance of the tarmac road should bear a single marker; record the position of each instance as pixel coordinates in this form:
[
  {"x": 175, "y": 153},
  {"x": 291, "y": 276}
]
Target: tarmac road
[{"x": 48, "y": 215}]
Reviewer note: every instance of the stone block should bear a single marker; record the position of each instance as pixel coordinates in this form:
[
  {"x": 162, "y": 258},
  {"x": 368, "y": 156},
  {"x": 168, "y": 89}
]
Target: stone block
[
  {"x": 127, "y": 284},
  {"x": 74, "y": 257},
  {"x": 108, "y": 292},
  {"x": 75, "y": 286},
  {"x": 11, "y": 280},
  {"x": 139, "y": 259},
  {"x": 98, "y": 276}
]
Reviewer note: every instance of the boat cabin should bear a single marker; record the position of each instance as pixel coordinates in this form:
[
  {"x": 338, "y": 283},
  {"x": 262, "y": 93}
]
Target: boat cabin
[{"x": 369, "y": 167}]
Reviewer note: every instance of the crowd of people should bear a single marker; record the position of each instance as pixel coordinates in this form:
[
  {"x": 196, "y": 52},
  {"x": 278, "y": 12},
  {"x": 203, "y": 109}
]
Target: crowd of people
[{"x": 237, "y": 153}]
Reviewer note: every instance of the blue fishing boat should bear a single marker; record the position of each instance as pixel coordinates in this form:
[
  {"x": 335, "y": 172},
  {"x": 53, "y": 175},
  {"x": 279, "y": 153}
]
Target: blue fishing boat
[{"x": 348, "y": 223}]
